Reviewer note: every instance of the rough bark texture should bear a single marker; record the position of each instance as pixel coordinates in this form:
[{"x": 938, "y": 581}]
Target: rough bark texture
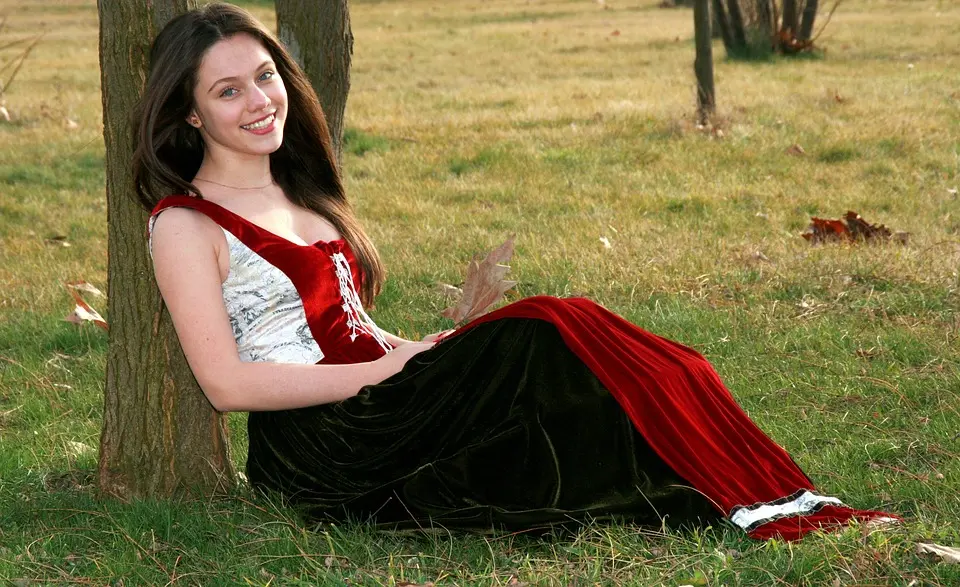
[
  {"x": 766, "y": 21},
  {"x": 806, "y": 23},
  {"x": 703, "y": 65},
  {"x": 737, "y": 26},
  {"x": 317, "y": 33},
  {"x": 789, "y": 20},
  {"x": 723, "y": 24},
  {"x": 160, "y": 435}
]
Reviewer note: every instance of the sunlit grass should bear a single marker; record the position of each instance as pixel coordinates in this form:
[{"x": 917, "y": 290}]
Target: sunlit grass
[{"x": 473, "y": 120}]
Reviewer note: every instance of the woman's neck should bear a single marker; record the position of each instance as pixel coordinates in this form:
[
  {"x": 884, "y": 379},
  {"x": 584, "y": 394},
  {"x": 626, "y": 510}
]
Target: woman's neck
[{"x": 235, "y": 170}]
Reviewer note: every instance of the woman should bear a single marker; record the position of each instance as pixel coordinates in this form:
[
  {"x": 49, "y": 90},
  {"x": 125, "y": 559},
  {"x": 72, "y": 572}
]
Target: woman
[{"x": 541, "y": 412}]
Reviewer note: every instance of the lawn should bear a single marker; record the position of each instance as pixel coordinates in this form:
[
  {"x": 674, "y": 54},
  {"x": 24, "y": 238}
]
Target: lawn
[{"x": 569, "y": 125}]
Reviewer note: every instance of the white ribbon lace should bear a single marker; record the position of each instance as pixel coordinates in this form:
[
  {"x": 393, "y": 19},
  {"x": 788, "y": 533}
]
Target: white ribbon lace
[{"x": 357, "y": 318}]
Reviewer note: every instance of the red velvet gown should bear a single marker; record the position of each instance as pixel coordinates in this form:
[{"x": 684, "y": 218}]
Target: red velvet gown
[{"x": 542, "y": 412}]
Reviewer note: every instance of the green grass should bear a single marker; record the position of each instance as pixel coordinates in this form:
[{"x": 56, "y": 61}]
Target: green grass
[{"x": 472, "y": 120}]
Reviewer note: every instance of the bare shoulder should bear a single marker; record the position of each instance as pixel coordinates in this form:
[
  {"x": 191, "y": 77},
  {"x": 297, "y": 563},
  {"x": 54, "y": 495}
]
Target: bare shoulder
[
  {"x": 178, "y": 224},
  {"x": 183, "y": 237}
]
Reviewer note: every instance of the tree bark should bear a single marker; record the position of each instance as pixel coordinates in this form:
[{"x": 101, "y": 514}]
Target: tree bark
[
  {"x": 720, "y": 18},
  {"x": 318, "y": 35},
  {"x": 703, "y": 65},
  {"x": 789, "y": 22},
  {"x": 806, "y": 24},
  {"x": 160, "y": 435},
  {"x": 765, "y": 18},
  {"x": 737, "y": 25}
]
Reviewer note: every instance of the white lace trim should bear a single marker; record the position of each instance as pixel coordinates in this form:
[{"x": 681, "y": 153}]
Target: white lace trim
[
  {"x": 357, "y": 318},
  {"x": 806, "y": 502}
]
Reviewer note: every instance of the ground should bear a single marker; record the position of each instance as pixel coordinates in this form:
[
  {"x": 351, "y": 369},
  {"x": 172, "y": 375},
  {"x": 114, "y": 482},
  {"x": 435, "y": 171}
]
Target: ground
[{"x": 565, "y": 123}]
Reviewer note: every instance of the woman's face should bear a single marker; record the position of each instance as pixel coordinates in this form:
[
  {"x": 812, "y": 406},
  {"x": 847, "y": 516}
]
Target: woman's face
[{"x": 240, "y": 101}]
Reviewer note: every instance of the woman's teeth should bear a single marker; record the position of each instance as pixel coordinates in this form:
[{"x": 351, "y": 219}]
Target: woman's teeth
[{"x": 262, "y": 124}]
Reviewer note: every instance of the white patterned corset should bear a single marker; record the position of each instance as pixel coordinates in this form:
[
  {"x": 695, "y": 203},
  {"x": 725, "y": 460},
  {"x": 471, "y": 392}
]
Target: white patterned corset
[{"x": 266, "y": 313}]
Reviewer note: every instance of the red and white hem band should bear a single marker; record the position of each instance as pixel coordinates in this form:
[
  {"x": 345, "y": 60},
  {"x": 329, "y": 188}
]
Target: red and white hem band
[{"x": 802, "y": 502}]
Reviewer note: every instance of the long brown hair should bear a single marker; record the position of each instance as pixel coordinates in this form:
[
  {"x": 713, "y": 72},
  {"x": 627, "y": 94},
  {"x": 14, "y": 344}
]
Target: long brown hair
[{"x": 168, "y": 151}]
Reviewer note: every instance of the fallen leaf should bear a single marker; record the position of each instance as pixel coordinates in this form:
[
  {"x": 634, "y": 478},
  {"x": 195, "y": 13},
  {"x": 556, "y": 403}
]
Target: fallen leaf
[
  {"x": 4, "y": 114},
  {"x": 796, "y": 149},
  {"x": 70, "y": 124},
  {"x": 946, "y": 553},
  {"x": 449, "y": 290},
  {"x": 78, "y": 449},
  {"x": 484, "y": 285},
  {"x": 851, "y": 228},
  {"x": 606, "y": 242},
  {"x": 84, "y": 286},
  {"x": 83, "y": 312},
  {"x": 615, "y": 34},
  {"x": 58, "y": 240}
]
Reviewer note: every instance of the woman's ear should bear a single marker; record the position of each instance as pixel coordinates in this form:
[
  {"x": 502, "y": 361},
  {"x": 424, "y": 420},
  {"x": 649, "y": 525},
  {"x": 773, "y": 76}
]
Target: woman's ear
[{"x": 194, "y": 120}]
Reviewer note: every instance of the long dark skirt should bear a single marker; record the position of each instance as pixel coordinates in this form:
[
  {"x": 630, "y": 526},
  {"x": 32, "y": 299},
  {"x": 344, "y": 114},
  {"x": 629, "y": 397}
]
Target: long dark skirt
[{"x": 500, "y": 427}]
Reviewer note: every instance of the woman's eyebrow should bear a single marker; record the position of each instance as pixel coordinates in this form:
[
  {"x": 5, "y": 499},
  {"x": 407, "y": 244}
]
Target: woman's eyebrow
[{"x": 233, "y": 77}]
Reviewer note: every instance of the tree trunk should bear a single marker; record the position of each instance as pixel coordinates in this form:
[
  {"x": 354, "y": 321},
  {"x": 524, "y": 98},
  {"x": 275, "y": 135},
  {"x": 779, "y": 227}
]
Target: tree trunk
[
  {"x": 737, "y": 26},
  {"x": 765, "y": 18},
  {"x": 720, "y": 18},
  {"x": 317, "y": 33},
  {"x": 806, "y": 24},
  {"x": 160, "y": 435},
  {"x": 789, "y": 24},
  {"x": 703, "y": 65}
]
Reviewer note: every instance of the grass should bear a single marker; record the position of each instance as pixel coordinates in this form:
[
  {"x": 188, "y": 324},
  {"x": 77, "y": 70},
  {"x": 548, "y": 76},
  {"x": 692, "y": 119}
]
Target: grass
[{"x": 472, "y": 120}]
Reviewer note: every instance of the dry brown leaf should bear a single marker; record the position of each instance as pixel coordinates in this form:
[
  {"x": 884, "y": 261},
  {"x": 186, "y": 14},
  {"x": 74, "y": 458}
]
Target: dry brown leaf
[
  {"x": 83, "y": 312},
  {"x": 946, "y": 553},
  {"x": 58, "y": 240},
  {"x": 796, "y": 149},
  {"x": 84, "y": 286},
  {"x": 484, "y": 286},
  {"x": 449, "y": 290},
  {"x": 851, "y": 228}
]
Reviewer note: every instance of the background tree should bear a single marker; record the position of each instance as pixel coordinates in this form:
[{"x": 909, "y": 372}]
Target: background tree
[
  {"x": 317, "y": 33},
  {"x": 160, "y": 435},
  {"x": 758, "y": 27},
  {"x": 703, "y": 65}
]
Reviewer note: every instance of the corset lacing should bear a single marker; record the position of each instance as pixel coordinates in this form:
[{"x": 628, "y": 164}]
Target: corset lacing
[{"x": 357, "y": 318}]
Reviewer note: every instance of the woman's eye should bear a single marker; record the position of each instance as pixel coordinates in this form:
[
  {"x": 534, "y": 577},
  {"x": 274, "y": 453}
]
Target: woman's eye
[
  {"x": 228, "y": 93},
  {"x": 266, "y": 75}
]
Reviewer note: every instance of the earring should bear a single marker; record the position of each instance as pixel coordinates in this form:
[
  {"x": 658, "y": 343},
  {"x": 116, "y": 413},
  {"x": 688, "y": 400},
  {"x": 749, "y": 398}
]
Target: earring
[{"x": 194, "y": 122}]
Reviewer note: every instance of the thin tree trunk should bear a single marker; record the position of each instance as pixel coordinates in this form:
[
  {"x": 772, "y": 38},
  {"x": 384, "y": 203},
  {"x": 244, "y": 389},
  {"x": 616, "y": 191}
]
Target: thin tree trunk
[
  {"x": 720, "y": 18},
  {"x": 317, "y": 33},
  {"x": 765, "y": 20},
  {"x": 703, "y": 65},
  {"x": 160, "y": 435},
  {"x": 789, "y": 24},
  {"x": 737, "y": 24},
  {"x": 806, "y": 24}
]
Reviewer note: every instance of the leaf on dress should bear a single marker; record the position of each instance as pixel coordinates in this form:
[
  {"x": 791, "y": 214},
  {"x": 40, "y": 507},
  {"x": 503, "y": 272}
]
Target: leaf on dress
[{"x": 485, "y": 285}]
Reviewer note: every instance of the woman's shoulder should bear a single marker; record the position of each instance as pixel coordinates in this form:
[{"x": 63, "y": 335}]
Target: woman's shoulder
[{"x": 182, "y": 226}]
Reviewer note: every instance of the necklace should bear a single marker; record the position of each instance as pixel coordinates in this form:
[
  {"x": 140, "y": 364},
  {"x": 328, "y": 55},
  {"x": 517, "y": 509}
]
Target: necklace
[{"x": 233, "y": 187}]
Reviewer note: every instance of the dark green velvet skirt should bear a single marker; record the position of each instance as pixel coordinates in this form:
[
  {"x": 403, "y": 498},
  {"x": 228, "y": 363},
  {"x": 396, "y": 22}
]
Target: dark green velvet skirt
[{"x": 501, "y": 427}]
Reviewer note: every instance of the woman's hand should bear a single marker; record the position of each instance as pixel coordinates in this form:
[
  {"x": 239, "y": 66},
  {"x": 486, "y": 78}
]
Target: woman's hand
[{"x": 438, "y": 336}]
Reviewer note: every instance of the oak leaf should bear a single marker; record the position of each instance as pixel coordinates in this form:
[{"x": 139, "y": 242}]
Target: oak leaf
[
  {"x": 484, "y": 286},
  {"x": 851, "y": 228}
]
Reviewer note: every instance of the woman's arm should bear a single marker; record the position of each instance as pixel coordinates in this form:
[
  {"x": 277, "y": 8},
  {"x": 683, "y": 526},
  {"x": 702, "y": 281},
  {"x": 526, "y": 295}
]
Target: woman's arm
[
  {"x": 393, "y": 339},
  {"x": 186, "y": 256}
]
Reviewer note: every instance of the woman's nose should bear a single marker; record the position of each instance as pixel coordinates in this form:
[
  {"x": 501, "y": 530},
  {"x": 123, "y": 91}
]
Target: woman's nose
[{"x": 258, "y": 100}]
